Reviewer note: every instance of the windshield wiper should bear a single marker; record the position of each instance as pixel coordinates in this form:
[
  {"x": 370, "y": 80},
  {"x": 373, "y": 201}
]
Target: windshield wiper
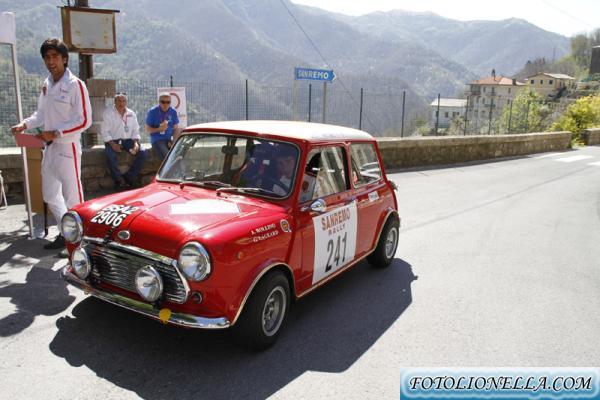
[
  {"x": 221, "y": 185},
  {"x": 246, "y": 190}
]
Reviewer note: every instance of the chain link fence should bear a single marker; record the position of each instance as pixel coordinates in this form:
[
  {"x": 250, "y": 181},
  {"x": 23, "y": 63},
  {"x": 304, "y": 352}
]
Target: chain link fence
[{"x": 379, "y": 113}]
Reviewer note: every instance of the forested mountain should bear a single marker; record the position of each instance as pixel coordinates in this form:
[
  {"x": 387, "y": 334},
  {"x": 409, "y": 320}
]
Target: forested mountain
[
  {"x": 478, "y": 45},
  {"x": 228, "y": 41}
]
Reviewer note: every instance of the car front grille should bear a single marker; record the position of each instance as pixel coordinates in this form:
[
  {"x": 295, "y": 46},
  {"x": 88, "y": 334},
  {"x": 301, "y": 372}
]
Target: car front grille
[{"x": 117, "y": 265}]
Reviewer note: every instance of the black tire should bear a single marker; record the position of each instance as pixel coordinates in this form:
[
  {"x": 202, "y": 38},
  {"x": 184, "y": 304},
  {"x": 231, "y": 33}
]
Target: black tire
[
  {"x": 387, "y": 245},
  {"x": 264, "y": 315}
]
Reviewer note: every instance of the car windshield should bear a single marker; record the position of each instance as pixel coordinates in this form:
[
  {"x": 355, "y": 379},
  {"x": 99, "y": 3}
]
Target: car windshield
[{"x": 233, "y": 163}]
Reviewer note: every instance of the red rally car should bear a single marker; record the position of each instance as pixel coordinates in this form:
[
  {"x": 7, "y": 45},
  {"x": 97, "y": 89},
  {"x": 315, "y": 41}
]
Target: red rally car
[{"x": 241, "y": 219}]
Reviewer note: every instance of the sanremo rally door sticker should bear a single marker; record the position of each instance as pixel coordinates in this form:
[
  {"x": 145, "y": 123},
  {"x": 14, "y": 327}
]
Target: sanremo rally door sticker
[{"x": 335, "y": 240}]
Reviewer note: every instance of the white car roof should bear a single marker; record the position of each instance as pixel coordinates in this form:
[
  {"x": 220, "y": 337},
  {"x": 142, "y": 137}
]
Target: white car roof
[{"x": 308, "y": 131}]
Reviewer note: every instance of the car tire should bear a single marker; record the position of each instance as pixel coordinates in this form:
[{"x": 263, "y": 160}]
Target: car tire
[
  {"x": 264, "y": 315},
  {"x": 387, "y": 245}
]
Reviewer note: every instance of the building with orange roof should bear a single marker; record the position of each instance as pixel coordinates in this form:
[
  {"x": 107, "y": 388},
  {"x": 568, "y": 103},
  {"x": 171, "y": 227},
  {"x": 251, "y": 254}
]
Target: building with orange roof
[{"x": 487, "y": 97}]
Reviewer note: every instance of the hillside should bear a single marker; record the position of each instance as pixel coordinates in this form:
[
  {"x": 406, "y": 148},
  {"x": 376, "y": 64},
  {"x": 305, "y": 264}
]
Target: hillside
[
  {"x": 228, "y": 41},
  {"x": 505, "y": 45}
]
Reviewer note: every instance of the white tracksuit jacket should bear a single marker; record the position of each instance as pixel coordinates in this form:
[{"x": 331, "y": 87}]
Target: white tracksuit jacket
[{"x": 64, "y": 107}]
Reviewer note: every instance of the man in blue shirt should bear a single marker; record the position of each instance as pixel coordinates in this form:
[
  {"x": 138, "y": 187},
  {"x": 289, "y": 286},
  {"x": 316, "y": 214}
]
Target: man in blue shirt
[{"x": 161, "y": 123}]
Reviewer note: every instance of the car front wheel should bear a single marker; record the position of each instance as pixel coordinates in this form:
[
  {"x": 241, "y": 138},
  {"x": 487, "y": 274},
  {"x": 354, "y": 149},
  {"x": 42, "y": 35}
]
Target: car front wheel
[{"x": 264, "y": 314}]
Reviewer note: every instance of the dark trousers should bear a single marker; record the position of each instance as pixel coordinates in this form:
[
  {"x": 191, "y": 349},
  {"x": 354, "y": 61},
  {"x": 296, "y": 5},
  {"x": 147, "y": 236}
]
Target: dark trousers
[
  {"x": 161, "y": 149},
  {"x": 113, "y": 163}
]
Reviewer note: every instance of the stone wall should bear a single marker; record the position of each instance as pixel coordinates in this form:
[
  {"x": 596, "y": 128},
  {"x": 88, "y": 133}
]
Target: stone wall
[
  {"x": 396, "y": 153},
  {"x": 423, "y": 151},
  {"x": 591, "y": 137}
]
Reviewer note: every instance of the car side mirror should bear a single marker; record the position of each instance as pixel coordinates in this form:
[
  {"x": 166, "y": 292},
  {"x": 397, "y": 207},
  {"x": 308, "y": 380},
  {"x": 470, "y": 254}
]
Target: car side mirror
[{"x": 318, "y": 206}]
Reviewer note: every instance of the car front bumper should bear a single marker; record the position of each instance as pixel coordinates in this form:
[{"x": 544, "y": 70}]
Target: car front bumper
[{"x": 185, "y": 320}]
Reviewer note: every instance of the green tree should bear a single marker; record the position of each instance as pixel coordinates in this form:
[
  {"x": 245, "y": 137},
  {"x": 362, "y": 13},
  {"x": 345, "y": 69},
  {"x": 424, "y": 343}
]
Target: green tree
[
  {"x": 583, "y": 114},
  {"x": 527, "y": 115},
  {"x": 581, "y": 49}
]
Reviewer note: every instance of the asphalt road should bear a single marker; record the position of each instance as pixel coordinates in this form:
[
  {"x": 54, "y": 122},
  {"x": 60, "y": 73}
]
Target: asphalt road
[{"x": 498, "y": 265}]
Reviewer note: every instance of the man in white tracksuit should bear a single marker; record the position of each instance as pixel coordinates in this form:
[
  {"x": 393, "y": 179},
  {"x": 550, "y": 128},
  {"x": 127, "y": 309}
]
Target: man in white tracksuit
[{"x": 63, "y": 112}]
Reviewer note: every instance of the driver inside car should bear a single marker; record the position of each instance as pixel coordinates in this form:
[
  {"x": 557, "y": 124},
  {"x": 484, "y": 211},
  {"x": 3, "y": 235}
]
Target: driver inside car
[{"x": 284, "y": 164}]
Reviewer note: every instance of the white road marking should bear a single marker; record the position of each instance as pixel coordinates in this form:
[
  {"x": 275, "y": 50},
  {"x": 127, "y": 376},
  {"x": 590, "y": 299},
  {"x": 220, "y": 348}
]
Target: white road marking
[
  {"x": 573, "y": 158},
  {"x": 548, "y": 155},
  {"x": 595, "y": 164}
]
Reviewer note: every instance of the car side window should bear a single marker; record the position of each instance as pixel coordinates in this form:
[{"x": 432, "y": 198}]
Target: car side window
[
  {"x": 365, "y": 164},
  {"x": 324, "y": 173}
]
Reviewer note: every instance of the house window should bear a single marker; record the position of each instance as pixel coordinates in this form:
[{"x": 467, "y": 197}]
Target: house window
[
  {"x": 550, "y": 82},
  {"x": 455, "y": 114},
  {"x": 446, "y": 114},
  {"x": 507, "y": 102},
  {"x": 541, "y": 81},
  {"x": 532, "y": 81},
  {"x": 508, "y": 90},
  {"x": 484, "y": 89}
]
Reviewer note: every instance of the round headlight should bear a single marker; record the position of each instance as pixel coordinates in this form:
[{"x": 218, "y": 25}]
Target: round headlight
[
  {"x": 148, "y": 283},
  {"x": 194, "y": 261},
  {"x": 71, "y": 227},
  {"x": 81, "y": 263}
]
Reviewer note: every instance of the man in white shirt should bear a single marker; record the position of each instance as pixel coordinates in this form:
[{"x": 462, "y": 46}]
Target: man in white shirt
[
  {"x": 64, "y": 112},
  {"x": 121, "y": 132}
]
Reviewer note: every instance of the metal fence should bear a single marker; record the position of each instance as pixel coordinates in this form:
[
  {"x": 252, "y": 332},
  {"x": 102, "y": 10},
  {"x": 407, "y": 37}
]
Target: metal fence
[{"x": 379, "y": 113}]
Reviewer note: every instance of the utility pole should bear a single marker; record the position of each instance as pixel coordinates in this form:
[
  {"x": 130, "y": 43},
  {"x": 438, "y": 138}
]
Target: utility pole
[{"x": 86, "y": 63}]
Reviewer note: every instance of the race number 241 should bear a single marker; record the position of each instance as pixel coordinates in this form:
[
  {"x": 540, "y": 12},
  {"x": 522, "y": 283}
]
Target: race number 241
[{"x": 335, "y": 240}]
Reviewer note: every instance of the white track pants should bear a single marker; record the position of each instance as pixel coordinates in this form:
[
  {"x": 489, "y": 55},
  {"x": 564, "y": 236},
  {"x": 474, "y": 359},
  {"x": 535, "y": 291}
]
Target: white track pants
[{"x": 61, "y": 177}]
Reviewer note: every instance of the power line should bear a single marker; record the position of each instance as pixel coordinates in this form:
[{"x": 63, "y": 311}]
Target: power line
[
  {"x": 322, "y": 57},
  {"x": 567, "y": 14}
]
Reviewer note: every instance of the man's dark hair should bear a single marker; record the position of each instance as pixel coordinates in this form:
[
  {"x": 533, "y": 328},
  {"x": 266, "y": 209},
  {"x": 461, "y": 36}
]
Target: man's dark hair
[{"x": 55, "y": 44}]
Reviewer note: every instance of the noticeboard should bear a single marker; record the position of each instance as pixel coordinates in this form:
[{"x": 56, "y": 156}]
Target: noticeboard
[{"x": 89, "y": 30}]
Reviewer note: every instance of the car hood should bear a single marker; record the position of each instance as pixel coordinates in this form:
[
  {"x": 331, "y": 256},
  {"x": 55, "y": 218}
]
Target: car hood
[{"x": 162, "y": 218}]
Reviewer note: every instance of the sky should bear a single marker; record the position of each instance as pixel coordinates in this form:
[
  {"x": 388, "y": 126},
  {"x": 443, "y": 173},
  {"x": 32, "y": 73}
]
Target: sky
[{"x": 567, "y": 17}]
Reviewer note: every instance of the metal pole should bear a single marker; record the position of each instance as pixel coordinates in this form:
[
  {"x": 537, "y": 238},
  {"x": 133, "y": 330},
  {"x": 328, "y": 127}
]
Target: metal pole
[
  {"x": 171, "y": 80},
  {"x": 466, "y": 117},
  {"x": 13, "y": 49},
  {"x": 324, "y": 99},
  {"x": 247, "y": 100},
  {"x": 309, "y": 100},
  {"x": 476, "y": 118},
  {"x": 294, "y": 102},
  {"x": 86, "y": 63},
  {"x": 403, "y": 104},
  {"x": 527, "y": 117},
  {"x": 510, "y": 117},
  {"x": 491, "y": 111},
  {"x": 361, "y": 109},
  {"x": 437, "y": 115}
]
